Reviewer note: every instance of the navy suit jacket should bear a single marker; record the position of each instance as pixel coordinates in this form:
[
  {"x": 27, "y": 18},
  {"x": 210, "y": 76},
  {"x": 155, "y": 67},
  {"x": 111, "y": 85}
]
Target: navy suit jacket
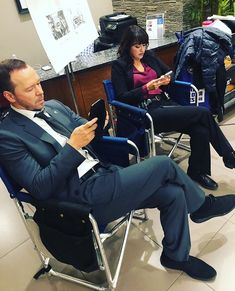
[{"x": 35, "y": 160}]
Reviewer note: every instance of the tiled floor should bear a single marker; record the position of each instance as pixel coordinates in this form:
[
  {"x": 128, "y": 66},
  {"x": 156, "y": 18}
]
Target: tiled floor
[{"x": 213, "y": 241}]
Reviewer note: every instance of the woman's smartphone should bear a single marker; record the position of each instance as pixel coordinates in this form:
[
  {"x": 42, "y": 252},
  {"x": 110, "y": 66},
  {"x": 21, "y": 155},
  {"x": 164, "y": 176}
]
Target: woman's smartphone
[
  {"x": 168, "y": 73},
  {"x": 98, "y": 110}
]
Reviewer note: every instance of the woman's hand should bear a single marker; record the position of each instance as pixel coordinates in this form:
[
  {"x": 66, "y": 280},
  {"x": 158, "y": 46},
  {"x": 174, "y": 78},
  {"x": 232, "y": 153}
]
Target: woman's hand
[
  {"x": 165, "y": 80},
  {"x": 156, "y": 83},
  {"x": 152, "y": 85}
]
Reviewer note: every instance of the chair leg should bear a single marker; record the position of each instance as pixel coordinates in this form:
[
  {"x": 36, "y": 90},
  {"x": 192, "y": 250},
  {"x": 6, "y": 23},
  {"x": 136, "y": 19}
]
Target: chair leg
[
  {"x": 82, "y": 282},
  {"x": 175, "y": 145},
  {"x": 141, "y": 214},
  {"x": 42, "y": 271}
]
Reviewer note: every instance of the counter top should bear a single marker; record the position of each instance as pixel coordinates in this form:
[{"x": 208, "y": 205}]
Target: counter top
[{"x": 88, "y": 59}]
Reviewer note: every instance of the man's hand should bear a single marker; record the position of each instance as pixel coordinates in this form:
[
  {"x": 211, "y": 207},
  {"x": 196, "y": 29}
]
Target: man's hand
[{"x": 83, "y": 135}]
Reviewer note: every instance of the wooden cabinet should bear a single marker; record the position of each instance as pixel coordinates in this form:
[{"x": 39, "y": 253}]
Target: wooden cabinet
[
  {"x": 168, "y": 54},
  {"x": 58, "y": 88},
  {"x": 91, "y": 87}
]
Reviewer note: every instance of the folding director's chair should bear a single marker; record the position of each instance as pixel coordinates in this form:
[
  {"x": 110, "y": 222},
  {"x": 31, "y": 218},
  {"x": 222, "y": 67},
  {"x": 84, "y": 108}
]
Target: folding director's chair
[{"x": 88, "y": 235}]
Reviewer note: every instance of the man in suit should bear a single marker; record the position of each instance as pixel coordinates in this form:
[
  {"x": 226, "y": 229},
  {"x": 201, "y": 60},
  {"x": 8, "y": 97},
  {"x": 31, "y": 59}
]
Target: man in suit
[{"x": 52, "y": 157}]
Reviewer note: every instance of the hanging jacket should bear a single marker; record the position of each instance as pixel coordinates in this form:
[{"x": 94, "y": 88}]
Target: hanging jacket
[
  {"x": 203, "y": 50},
  {"x": 206, "y": 46}
]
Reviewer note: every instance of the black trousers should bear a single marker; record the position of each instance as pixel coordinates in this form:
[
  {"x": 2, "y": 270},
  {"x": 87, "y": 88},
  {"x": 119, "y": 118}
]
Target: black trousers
[{"x": 200, "y": 125}]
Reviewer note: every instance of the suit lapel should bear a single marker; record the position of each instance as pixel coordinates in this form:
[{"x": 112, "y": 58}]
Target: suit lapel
[
  {"x": 40, "y": 133},
  {"x": 61, "y": 118},
  {"x": 34, "y": 129}
]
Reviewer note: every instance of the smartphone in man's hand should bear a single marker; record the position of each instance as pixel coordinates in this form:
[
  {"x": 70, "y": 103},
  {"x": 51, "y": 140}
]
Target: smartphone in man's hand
[{"x": 98, "y": 110}]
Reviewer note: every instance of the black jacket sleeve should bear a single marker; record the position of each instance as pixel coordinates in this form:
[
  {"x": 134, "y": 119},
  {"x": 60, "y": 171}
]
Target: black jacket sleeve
[{"x": 122, "y": 79}]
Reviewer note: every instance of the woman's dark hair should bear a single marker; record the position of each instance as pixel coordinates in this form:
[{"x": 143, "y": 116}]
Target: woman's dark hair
[
  {"x": 6, "y": 67},
  {"x": 133, "y": 35}
]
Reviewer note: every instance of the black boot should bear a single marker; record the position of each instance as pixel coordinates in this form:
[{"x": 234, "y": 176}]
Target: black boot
[
  {"x": 204, "y": 180},
  {"x": 194, "y": 267},
  {"x": 213, "y": 207}
]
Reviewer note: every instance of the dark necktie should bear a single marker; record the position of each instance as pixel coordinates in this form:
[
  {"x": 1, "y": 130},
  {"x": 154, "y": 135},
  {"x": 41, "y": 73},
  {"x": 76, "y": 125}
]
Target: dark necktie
[{"x": 56, "y": 125}]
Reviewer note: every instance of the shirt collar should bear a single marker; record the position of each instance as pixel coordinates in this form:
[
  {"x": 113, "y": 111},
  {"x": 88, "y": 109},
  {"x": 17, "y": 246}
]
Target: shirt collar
[{"x": 28, "y": 113}]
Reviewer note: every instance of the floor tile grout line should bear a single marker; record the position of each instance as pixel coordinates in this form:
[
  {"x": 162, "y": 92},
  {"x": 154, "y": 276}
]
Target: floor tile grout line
[
  {"x": 210, "y": 286},
  {"x": 10, "y": 251},
  {"x": 180, "y": 275},
  {"x": 136, "y": 226}
]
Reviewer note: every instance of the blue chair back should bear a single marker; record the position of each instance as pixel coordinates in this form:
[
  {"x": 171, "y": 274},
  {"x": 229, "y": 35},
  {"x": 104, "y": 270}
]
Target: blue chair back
[
  {"x": 183, "y": 98},
  {"x": 13, "y": 189},
  {"x": 131, "y": 121},
  {"x": 109, "y": 91},
  {"x": 108, "y": 145}
]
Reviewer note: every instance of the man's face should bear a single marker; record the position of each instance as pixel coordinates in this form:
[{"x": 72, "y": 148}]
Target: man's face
[{"x": 28, "y": 93}]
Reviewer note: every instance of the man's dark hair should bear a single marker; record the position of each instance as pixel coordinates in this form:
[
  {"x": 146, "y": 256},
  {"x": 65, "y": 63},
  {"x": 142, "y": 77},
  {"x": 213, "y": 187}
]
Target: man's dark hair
[
  {"x": 134, "y": 34},
  {"x": 6, "y": 67}
]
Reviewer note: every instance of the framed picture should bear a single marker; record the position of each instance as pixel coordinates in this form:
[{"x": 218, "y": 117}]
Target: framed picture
[{"x": 22, "y": 6}]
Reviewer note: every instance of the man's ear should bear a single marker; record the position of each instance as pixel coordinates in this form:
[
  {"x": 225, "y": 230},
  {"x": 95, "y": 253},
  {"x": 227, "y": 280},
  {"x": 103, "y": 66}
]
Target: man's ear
[{"x": 9, "y": 96}]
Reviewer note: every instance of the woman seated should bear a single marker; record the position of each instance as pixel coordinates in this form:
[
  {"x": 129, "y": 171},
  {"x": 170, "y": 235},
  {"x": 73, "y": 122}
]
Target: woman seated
[{"x": 140, "y": 78}]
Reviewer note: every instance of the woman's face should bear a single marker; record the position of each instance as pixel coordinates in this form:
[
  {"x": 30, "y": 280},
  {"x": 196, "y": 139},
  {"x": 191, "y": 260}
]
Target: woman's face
[{"x": 137, "y": 51}]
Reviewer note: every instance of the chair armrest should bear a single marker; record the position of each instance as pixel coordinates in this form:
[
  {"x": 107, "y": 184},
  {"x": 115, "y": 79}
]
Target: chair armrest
[
  {"x": 186, "y": 85},
  {"x": 182, "y": 83},
  {"x": 116, "y": 150},
  {"x": 180, "y": 91},
  {"x": 128, "y": 146},
  {"x": 130, "y": 108},
  {"x": 114, "y": 140}
]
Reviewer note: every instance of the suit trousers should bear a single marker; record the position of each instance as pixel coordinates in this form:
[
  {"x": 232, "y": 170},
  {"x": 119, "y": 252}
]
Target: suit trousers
[
  {"x": 154, "y": 183},
  {"x": 200, "y": 125}
]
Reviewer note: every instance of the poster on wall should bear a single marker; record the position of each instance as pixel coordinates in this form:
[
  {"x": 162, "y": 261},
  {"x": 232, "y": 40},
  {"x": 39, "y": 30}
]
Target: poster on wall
[{"x": 65, "y": 28}]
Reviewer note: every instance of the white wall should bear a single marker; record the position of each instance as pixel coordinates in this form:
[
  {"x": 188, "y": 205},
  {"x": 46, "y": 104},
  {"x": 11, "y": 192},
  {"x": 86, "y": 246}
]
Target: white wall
[
  {"x": 18, "y": 35},
  {"x": 99, "y": 8}
]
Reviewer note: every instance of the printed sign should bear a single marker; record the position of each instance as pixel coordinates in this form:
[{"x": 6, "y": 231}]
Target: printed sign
[
  {"x": 65, "y": 28},
  {"x": 155, "y": 25}
]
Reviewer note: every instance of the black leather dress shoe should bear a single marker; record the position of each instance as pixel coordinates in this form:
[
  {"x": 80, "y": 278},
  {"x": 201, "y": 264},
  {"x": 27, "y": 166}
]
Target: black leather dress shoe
[
  {"x": 213, "y": 207},
  {"x": 194, "y": 267},
  {"x": 229, "y": 162},
  {"x": 204, "y": 180}
]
